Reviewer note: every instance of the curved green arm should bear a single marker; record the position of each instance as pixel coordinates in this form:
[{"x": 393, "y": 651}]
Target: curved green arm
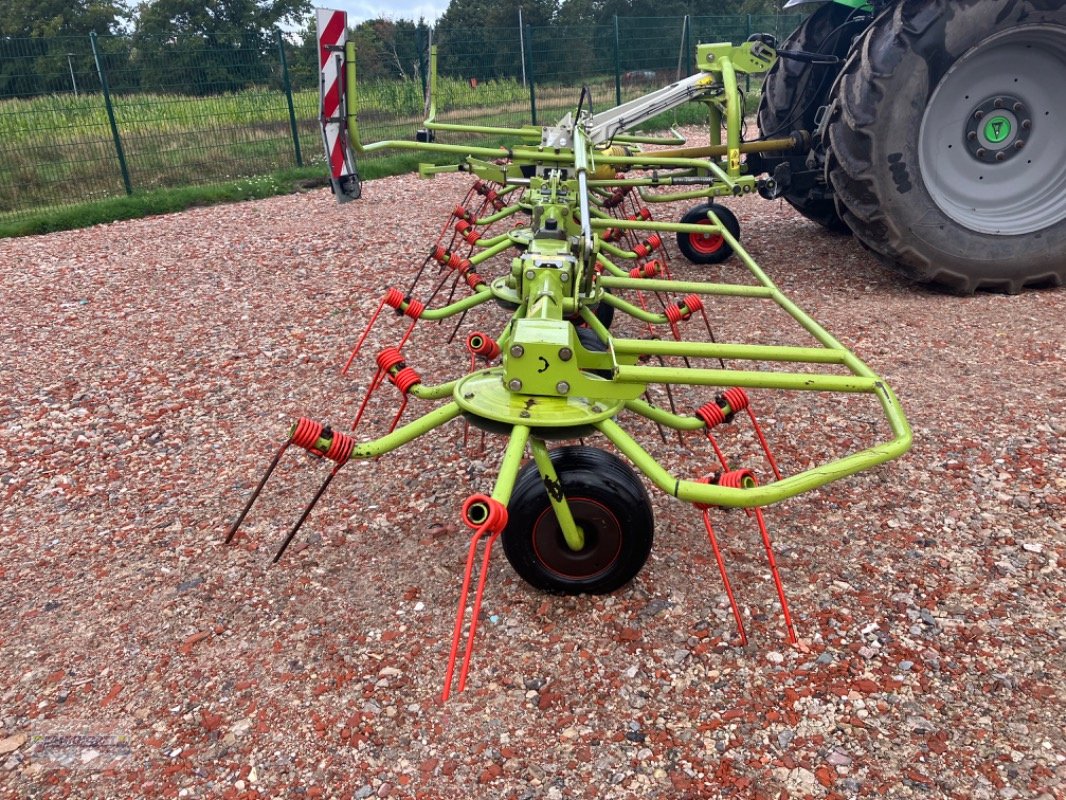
[{"x": 692, "y": 491}]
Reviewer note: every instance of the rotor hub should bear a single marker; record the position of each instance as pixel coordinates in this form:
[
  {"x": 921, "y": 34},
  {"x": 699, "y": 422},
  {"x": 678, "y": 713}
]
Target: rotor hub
[{"x": 998, "y": 128}]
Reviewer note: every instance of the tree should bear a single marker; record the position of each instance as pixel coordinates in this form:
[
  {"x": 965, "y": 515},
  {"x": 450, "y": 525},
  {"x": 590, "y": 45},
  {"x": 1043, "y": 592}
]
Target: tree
[
  {"x": 480, "y": 39},
  {"x": 390, "y": 48},
  {"x": 45, "y": 18},
  {"x": 37, "y": 35},
  {"x": 212, "y": 46}
]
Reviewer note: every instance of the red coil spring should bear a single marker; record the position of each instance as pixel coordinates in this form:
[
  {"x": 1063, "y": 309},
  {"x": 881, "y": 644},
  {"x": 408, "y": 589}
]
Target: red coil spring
[
  {"x": 388, "y": 358},
  {"x": 466, "y": 230},
  {"x": 394, "y": 298},
  {"x": 735, "y": 478},
  {"x": 647, "y": 270},
  {"x": 489, "y": 194},
  {"x": 306, "y": 432},
  {"x": 414, "y": 309},
  {"x": 712, "y": 415},
  {"x": 496, "y": 518},
  {"x": 462, "y": 213},
  {"x": 617, "y": 197},
  {"x": 684, "y": 309},
  {"x": 481, "y": 345},
  {"x": 649, "y": 246},
  {"x": 405, "y": 379},
  {"x": 736, "y": 397},
  {"x": 644, "y": 213},
  {"x": 340, "y": 449},
  {"x": 473, "y": 280},
  {"x": 612, "y": 234}
]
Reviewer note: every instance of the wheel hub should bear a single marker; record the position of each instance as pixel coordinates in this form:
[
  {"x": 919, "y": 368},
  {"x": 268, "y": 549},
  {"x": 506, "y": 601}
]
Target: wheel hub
[{"x": 998, "y": 128}]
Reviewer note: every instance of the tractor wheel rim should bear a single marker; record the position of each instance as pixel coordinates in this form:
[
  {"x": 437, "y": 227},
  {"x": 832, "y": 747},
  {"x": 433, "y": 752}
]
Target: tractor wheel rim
[
  {"x": 706, "y": 243},
  {"x": 603, "y": 540},
  {"x": 991, "y": 149}
]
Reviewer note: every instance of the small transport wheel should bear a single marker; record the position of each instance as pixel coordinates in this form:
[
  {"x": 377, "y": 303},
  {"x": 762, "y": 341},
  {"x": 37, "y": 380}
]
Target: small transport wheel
[
  {"x": 610, "y": 505},
  {"x": 707, "y": 248}
]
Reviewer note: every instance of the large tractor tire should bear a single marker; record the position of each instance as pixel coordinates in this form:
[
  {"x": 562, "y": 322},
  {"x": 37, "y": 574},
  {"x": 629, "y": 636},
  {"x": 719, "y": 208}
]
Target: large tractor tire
[
  {"x": 793, "y": 93},
  {"x": 947, "y": 155}
]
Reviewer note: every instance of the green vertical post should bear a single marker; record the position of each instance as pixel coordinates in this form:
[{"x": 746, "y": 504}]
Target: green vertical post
[
  {"x": 111, "y": 114},
  {"x": 617, "y": 64},
  {"x": 688, "y": 46},
  {"x": 288, "y": 97},
  {"x": 529, "y": 71},
  {"x": 747, "y": 76},
  {"x": 422, "y": 44}
]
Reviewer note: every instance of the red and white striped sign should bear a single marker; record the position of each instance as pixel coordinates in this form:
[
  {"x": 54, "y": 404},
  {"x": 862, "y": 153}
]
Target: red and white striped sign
[{"x": 332, "y": 32}]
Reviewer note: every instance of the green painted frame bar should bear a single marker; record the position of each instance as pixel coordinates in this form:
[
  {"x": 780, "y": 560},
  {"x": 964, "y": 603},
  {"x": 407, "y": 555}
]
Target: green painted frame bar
[
  {"x": 511, "y": 463},
  {"x": 572, "y": 532},
  {"x": 708, "y": 494},
  {"x": 407, "y": 433}
]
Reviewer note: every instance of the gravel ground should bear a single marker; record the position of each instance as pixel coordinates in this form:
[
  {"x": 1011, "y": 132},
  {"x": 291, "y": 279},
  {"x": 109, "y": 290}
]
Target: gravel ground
[{"x": 151, "y": 367}]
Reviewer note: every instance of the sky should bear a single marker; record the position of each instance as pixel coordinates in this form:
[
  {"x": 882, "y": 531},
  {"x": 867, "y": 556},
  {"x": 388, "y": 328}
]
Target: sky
[{"x": 359, "y": 10}]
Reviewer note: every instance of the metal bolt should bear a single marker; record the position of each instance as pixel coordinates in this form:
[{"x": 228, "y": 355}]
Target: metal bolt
[
  {"x": 1018, "y": 108},
  {"x": 972, "y": 136},
  {"x": 530, "y": 274},
  {"x": 524, "y": 414},
  {"x": 565, "y": 354},
  {"x": 564, "y": 277},
  {"x": 981, "y": 152},
  {"x": 1001, "y": 156},
  {"x": 562, "y": 387},
  {"x": 978, "y": 114},
  {"x": 999, "y": 102},
  {"x": 1027, "y": 124},
  {"x": 517, "y": 350},
  {"x": 1018, "y": 145},
  {"x": 515, "y": 385}
]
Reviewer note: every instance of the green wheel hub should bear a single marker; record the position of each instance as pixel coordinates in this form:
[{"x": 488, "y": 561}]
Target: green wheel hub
[{"x": 997, "y": 129}]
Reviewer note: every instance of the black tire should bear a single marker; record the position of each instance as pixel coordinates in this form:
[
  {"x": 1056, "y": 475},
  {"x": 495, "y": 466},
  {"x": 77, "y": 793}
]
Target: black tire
[
  {"x": 793, "y": 93},
  {"x": 910, "y": 183},
  {"x": 604, "y": 313},
  {"x": 607, "y": 500},
  {"x": 708, "y": 248}
]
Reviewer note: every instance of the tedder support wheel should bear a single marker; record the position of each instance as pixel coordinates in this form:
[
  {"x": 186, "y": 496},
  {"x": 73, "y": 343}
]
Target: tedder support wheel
[
  {"x": 609, "y": 504},
  {"x": 708, "y": 248},
  {"x": 947, "y": 150},
  {"x": 794, "y": 93}
]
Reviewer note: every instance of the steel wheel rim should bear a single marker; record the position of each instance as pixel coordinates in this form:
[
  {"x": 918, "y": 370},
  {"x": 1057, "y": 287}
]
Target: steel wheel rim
[
  {"x": 706, "y": 243},
  {"x": 1025, "y": 189},
  {"x": 603, "y": 541}
]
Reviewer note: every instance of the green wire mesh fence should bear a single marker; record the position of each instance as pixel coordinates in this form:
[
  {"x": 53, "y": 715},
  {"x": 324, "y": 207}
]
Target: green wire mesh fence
[{"x": 84, "y": 119}]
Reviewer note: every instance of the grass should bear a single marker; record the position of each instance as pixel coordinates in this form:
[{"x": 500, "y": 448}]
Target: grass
[
  {"x": 165, "y": 201},
  {"x": 59, "y": 168}
]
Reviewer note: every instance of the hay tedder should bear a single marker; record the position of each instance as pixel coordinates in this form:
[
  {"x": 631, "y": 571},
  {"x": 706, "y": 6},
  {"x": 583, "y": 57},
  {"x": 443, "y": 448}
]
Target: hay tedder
[{"x": 590, "y": 337}]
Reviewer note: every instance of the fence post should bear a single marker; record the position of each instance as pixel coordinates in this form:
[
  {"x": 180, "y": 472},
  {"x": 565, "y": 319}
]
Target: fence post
[
  {"x": 422, "y": 45},
  {"x": 529, "y": 71},
  {"x": 747, "y": 77},
  {"x": 288, "y": 97},
  {"x": 111, "y": 114},
  {"x": 617, "y": 64}
]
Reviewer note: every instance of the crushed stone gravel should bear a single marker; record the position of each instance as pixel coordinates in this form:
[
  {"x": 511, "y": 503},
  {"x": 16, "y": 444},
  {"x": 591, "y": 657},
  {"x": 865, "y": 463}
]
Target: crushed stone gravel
[{"x": 150, "y": 369}]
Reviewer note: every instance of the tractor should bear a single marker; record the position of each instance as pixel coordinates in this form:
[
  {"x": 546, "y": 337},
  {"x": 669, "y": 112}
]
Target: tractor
[{"x": 933, "y": 134}]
